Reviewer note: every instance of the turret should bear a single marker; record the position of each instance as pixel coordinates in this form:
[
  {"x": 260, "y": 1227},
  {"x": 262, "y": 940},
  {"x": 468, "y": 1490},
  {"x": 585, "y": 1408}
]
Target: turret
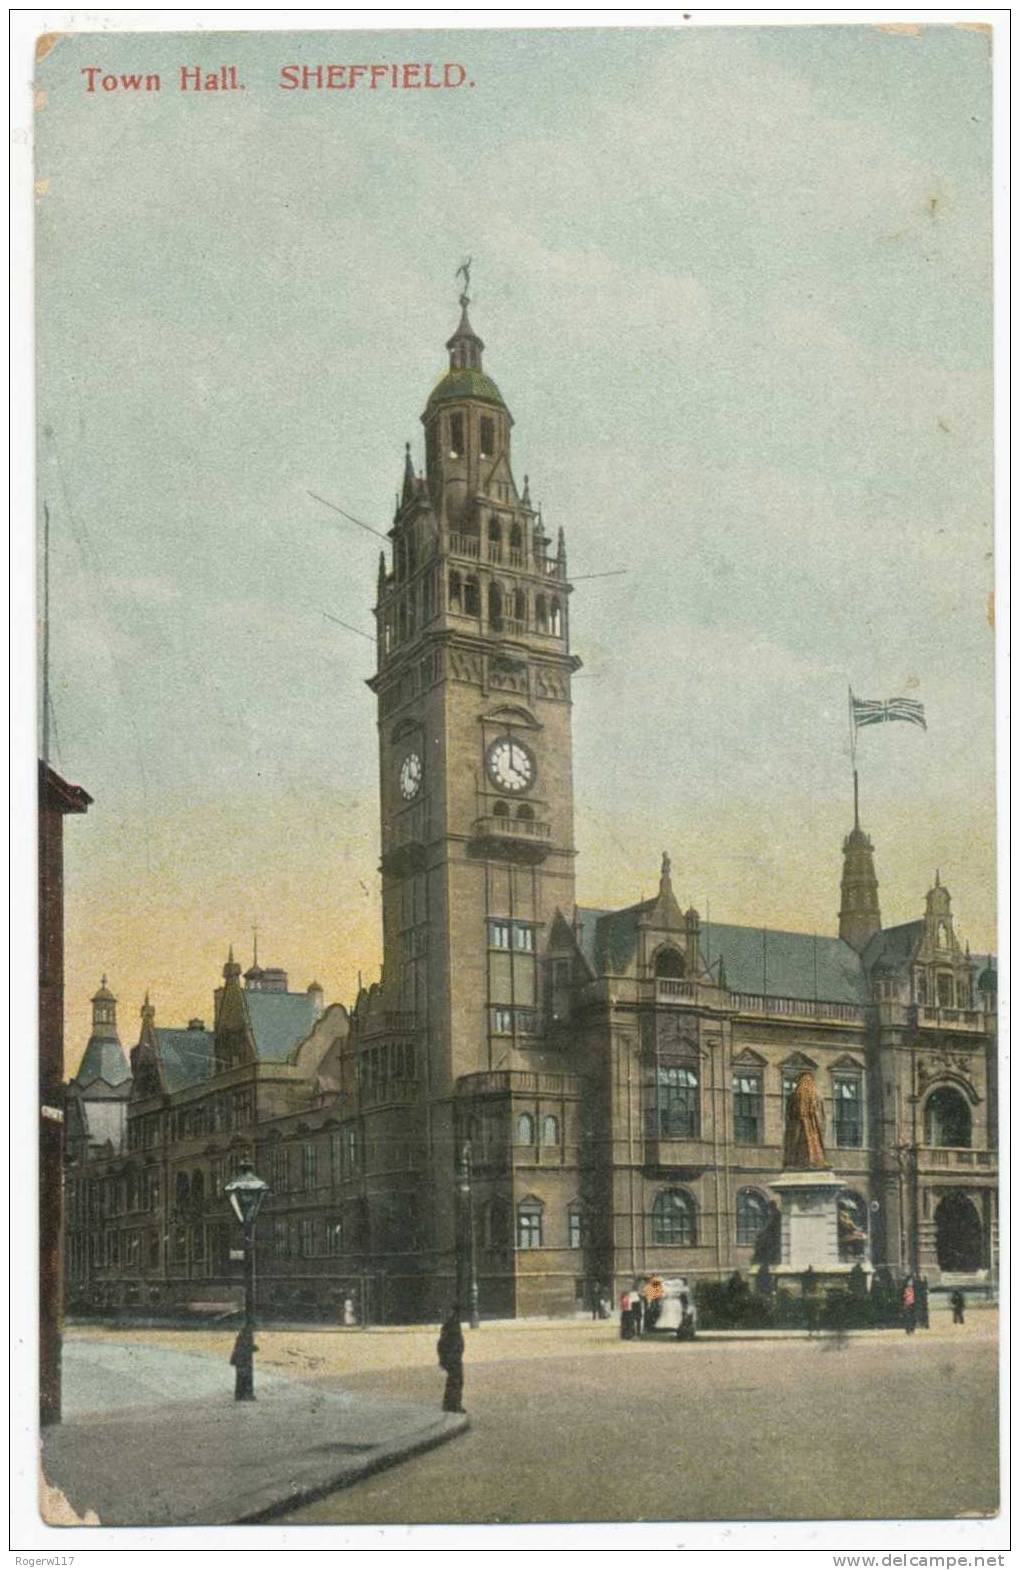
[
  {"x": 859, "y": 915},
  {"x": 467, "y": 433}
]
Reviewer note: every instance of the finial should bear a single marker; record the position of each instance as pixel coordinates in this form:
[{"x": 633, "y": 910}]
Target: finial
[
  {"x": 665, "y": 887},
  {"x": 465, "y": 270},
  {"x": 938, "y": 878},
  {"x": 102, "y": 982},
  {"x": 147, "y": 1011},
  {"x": 526, "y": 498},
  {"x": 254, "y": 944}
]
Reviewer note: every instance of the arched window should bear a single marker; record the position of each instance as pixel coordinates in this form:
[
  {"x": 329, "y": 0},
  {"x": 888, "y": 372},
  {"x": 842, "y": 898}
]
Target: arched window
[
  {"x": 456, "y": 435},
  {"x": 495, "y": 540},
  {"x": 752, "y": 1217},
  {"x": 524, "y": 1132},
  {"x": 520, "y": 605},
  {"x": 197, "y": 1190},
  {"x": 472, "y": 598},
  {"x": 944, "y": 989},
  {"x": 529, "y": 1223},
  {"x": 516, "y": 537},
  {"x": 495, "y": 607},
  {"x": 501, "y": 810},
  {"x": 526, "y": 813},
  {"x": 947, "y": 1118},
  {"x": 550, "y": 1130},
  {"x": 673, "y": 1218},
  {"x": 669, "y": 962},
  {"x": 677, "y": 1111},
  {"x": 496, "y": 1229},
  {"x": 556, "y": 618},
  {"x": 541, "y": 613},
  {"x": 181, "y": 1190}
]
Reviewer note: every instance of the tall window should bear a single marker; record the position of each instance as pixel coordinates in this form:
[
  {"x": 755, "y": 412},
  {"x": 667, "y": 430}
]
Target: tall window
[
  {"x": 752, "y": 1217},
  {"x": 456, "y": 593},
  {"x": 499, "y": 931},
  {"x": 575, "y": 1226},
  {"x": 529, "y": 1224},
  {"x": 550, "y": 1131},
  {"x": 309, "y": 1167},
  {"x": 487, "y": 436},
  {"x": 495, "y": 606},
  {"x": 847, "y": 1118},
  {"x": 947, "y": 1118},
  {"x": 677, "y": 1087},
  {"x": 673, "y": 1218},
  {"x": 502, "y": 1021},
  {"x": 456, "y": 435},
  {"x": 524, "y": 1129},
  {"x": 747, "y": 1108},
  {"x": 472, "y": 597}
]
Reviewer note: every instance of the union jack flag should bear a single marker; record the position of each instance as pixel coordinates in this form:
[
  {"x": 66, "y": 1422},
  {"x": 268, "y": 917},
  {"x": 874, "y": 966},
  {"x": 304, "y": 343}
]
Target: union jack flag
[{"x": 868, "y": 712}]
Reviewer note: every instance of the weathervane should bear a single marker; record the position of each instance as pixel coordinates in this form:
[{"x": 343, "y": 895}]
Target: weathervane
[{"x": 465, "y": 268}]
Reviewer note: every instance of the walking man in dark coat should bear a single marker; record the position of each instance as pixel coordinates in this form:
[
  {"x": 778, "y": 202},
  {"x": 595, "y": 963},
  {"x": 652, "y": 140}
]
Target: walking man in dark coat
[
  {"x": 957, "y": 1303},
  {"x": 450, "y": 1348}
]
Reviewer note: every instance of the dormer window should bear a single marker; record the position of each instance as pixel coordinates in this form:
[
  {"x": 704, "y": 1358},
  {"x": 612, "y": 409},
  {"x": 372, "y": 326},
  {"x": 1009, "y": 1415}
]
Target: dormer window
[
  {"x": 487, "y": 436},
  {"x": 456, "y": 436}
]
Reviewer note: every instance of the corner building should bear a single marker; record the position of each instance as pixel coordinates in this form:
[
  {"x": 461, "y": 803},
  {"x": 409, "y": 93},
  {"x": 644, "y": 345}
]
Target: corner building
[{"x": 618, "y": 1077}]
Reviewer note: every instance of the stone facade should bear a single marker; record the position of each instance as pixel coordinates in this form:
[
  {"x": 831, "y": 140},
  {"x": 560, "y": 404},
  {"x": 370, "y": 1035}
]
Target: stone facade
[{"x": 613, "y": 1082}]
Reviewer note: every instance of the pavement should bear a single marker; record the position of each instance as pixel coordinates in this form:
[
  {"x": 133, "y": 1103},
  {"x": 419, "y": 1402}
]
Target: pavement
[{"x": 152, "y": 1436}]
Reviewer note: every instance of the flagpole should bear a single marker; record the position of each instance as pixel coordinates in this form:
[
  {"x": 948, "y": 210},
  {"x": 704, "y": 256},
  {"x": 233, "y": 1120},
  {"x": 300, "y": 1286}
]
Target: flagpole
[{"x": 853, "y": 747}]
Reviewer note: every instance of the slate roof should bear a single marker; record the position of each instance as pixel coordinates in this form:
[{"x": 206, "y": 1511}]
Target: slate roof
[
  {"x": 186, "y": 1056},
  {"x": 279, "y": 1021},
  {"x": 893, "y": 946},
  {"x": 609, "y": 937},
  {"x": 786, "y": 964},
  {"x": 104, "y": 1059}
]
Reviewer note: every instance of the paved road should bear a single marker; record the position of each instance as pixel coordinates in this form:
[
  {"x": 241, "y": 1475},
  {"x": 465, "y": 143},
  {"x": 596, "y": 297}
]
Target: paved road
[{"x": 606, "y": 1430}]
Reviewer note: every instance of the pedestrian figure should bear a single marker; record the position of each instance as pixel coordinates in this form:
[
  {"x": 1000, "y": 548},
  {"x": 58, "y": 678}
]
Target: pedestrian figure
[
  {"x": 450, "y": 1348},
  {"x": 637, "y": 1311},
  {"x": 350, "y": 1318},
  {"x": 957, "y": 1302},
  {"x": 685, "y": 1329},
  {"x": 243, "y": 1360},
  {"x": 909, "y": 1303},
  {"x": 626, "y": 1321}
]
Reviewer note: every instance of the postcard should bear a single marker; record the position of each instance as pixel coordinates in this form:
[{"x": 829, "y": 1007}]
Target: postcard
[{"x": 518, "y": 979}]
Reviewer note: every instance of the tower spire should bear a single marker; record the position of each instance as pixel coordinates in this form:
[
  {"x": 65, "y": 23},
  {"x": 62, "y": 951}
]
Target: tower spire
[
  {"x": 465, "y": 346},
  {"x": 859, "y": 914}
]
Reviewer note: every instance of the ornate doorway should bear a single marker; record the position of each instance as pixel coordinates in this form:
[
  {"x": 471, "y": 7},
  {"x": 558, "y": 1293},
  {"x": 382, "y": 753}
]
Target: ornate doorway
[{"x": 958, "y": 1235}]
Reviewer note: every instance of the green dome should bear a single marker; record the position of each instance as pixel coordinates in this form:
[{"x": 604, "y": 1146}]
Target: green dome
[{"x": 464, "y": 383}]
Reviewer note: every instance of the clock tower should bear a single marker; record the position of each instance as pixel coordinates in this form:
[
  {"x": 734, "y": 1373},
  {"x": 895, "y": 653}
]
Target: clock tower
[{"x": 473, "y": 683}]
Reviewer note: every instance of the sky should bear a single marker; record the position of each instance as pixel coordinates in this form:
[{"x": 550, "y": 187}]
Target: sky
[{"x": 735, "y": 287}]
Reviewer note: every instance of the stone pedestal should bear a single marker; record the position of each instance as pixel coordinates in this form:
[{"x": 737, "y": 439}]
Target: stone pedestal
[{"x": 810, "y": 1227}]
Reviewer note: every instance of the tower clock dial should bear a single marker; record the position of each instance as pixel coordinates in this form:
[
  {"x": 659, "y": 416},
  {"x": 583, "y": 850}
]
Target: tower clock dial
[
  {"x": 410, "y": 776},
  {"x": 510, "y": 765}
]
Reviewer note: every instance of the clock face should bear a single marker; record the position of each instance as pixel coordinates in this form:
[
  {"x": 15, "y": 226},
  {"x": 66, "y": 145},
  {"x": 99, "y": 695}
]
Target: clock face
[
  {"x": 410, "y": 776},
  {"x": 511, "y": 766}
]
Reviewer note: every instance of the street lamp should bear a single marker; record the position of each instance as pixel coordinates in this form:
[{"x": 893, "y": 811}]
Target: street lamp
[
  {"x": 467, "y": 1226},
  {"x": 246, "y": 1192}
]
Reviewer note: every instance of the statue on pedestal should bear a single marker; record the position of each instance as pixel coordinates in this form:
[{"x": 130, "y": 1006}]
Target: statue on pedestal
[{"x": 804, "y": 1141}]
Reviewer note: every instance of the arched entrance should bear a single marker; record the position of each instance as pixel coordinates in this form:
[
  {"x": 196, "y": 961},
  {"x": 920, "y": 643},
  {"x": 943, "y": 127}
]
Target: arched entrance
[
  {"x": 669, "y": 962},
  {"x": 958, "y": 1238}
]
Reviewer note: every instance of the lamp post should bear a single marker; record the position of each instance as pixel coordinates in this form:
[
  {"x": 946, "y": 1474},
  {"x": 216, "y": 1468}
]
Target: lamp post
[
  {"x": 467, "y": 1232},
  {"x": 246, "y": 1192}
]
